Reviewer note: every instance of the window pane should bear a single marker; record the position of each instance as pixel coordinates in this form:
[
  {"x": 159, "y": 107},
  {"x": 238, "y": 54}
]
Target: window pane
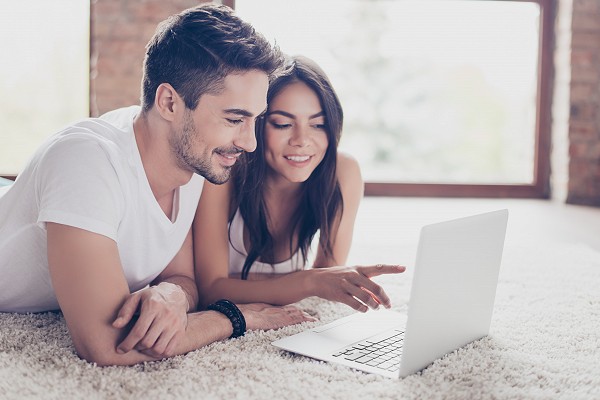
[
  {"x": 433, "y": 91},
  {"x": 44, "y": 74}
]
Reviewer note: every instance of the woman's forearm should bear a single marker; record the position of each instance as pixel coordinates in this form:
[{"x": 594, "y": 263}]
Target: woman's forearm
[{"x": 279, "y": 290}]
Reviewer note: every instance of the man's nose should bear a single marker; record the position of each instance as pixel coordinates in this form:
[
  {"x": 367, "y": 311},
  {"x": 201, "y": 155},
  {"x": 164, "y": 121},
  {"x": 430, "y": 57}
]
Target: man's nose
[{"x": 247, "y": 138}]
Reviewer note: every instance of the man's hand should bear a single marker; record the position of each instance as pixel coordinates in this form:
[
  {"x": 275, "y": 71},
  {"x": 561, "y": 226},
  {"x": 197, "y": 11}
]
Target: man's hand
[
  {"x": 162, "y": 320},
  {"x": 352, "y": 286},
  {"x": 260, "y": 316}
]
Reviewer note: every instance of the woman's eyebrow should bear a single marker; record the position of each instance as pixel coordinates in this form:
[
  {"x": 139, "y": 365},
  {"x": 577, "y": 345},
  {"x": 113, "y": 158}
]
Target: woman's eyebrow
[
  {"x": 287, "y": 114},
  {"x": 280, "y": 112}
]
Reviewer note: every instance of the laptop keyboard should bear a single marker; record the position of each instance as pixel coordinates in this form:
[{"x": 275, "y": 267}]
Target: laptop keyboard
[{"x": 381, "y": 352}]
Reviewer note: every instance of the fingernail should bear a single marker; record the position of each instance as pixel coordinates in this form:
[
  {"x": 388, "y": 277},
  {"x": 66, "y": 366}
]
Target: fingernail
[{"x": 120, "y": 350}]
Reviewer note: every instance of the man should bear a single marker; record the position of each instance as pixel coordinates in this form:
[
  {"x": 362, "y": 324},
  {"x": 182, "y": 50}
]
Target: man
[{"x": 104, "y": 207}]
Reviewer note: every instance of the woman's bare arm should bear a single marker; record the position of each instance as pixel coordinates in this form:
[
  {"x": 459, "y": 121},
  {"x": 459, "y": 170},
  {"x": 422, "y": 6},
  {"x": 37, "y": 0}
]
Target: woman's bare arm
[
  {"x": 211, "y": 243},
  {"x": 341, "y": 284},
  {"x": 352, "y": 188},
  {"x": 211, "y": 254}
]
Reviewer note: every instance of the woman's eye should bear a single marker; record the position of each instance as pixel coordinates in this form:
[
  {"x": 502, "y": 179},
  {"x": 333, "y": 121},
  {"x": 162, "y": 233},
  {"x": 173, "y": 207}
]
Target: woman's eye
[
  {"x": 280, "y": 126},
  {"x": 320, "y": 126}
]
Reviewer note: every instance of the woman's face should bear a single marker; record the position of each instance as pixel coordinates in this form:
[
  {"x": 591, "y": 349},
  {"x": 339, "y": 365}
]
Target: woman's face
[{"x": 295, "y": 133}]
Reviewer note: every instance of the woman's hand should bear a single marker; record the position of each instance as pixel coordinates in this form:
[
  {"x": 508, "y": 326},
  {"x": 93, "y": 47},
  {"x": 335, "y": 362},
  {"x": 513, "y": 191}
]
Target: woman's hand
[
  {"x": 352, "y": 286},
  {"x": 162, "y": 319},
  {"x": 260, "y": 316}
]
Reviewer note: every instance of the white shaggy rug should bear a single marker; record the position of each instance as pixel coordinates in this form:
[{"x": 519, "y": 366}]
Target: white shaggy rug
[{"x": 544, "y": 344}]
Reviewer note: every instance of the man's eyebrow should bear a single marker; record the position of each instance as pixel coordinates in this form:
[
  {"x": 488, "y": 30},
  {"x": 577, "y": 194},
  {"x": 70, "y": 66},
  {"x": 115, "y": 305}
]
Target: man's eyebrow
[{"x": 242, "y": 112}]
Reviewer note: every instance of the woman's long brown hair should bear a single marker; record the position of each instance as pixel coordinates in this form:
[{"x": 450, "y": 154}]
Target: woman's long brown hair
[{"x": 321, "y": 200}]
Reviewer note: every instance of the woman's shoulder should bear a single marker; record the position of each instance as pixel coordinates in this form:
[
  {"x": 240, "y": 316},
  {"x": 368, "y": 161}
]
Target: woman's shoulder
[
  {"x": 348, "y": 167},
  {"x": 347, "y": 159},
  {"x": 348, "y": 173}
]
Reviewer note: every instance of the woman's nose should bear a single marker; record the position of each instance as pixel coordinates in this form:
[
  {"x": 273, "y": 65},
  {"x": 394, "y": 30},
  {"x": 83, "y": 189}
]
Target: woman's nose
[{"x": 300, "y": 137}]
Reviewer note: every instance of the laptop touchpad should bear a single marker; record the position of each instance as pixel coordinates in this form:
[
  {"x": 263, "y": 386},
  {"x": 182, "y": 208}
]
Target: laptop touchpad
[{"x": 358, "y": 326}]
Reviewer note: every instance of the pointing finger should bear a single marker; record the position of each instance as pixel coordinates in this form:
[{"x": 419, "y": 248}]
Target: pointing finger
[{"x": 380, "y": 269}]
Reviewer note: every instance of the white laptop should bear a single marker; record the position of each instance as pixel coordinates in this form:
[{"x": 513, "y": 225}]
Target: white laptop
[{"x": 451, "y": 302}]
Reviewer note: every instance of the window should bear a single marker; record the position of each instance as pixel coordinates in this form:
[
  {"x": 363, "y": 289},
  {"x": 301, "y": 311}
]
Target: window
[
  {"x": 44, "y": 74},
  {"x": 445, "y": 97}
]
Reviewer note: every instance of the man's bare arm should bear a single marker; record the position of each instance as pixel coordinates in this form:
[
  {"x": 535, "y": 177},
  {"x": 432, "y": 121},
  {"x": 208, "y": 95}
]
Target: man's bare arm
[
  {"x": 162, "y": 307},
  {"x": 90, "y": 286},
  {"x": 180, "y": 272}
]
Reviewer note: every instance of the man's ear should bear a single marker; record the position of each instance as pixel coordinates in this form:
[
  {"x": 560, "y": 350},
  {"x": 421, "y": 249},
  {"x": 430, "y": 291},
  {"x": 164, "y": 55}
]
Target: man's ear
[{"x": 167, "y": 102}]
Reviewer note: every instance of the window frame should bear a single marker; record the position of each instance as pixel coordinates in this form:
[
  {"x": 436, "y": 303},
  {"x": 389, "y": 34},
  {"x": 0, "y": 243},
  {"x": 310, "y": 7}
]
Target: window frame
[{"x": 540, "y": 187}]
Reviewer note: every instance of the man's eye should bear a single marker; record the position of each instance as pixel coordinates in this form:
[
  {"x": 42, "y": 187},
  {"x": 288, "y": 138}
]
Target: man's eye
[
  {"x": 234, "y": 121},
  {"x": 320, "y": 126}
]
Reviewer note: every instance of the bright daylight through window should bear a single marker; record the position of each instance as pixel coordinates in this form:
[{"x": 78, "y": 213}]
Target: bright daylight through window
[
  {"x": 44, "y": 74},
  {"x": 433, "y": 91}
]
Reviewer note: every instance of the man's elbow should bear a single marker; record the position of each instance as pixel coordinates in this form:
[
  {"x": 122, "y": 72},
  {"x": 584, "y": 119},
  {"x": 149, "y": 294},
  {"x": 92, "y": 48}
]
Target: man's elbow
[{"x": 104, "y": 357}]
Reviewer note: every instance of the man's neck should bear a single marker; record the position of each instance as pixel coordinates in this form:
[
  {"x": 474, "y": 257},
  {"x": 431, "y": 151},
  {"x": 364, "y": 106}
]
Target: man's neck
[{"x": 151, "y": 135}]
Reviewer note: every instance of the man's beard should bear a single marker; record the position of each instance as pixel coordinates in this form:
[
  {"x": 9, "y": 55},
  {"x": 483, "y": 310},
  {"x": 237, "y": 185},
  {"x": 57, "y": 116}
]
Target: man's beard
[{"x": 182, "y": 144}]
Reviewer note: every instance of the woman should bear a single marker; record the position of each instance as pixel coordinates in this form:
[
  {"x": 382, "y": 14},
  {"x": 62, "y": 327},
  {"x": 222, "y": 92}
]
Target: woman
[{"x": 294, "y": 184}]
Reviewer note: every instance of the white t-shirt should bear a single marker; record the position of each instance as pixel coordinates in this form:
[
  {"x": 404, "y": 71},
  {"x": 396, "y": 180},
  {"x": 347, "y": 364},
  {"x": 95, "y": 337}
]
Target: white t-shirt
[
  {"x": 238, "y": 254},
  {"x": 90, "y": 176}
]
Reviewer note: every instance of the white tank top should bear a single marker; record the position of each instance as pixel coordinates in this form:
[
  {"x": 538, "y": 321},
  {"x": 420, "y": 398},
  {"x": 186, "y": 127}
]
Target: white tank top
[{"x": 238, "y": 253}]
